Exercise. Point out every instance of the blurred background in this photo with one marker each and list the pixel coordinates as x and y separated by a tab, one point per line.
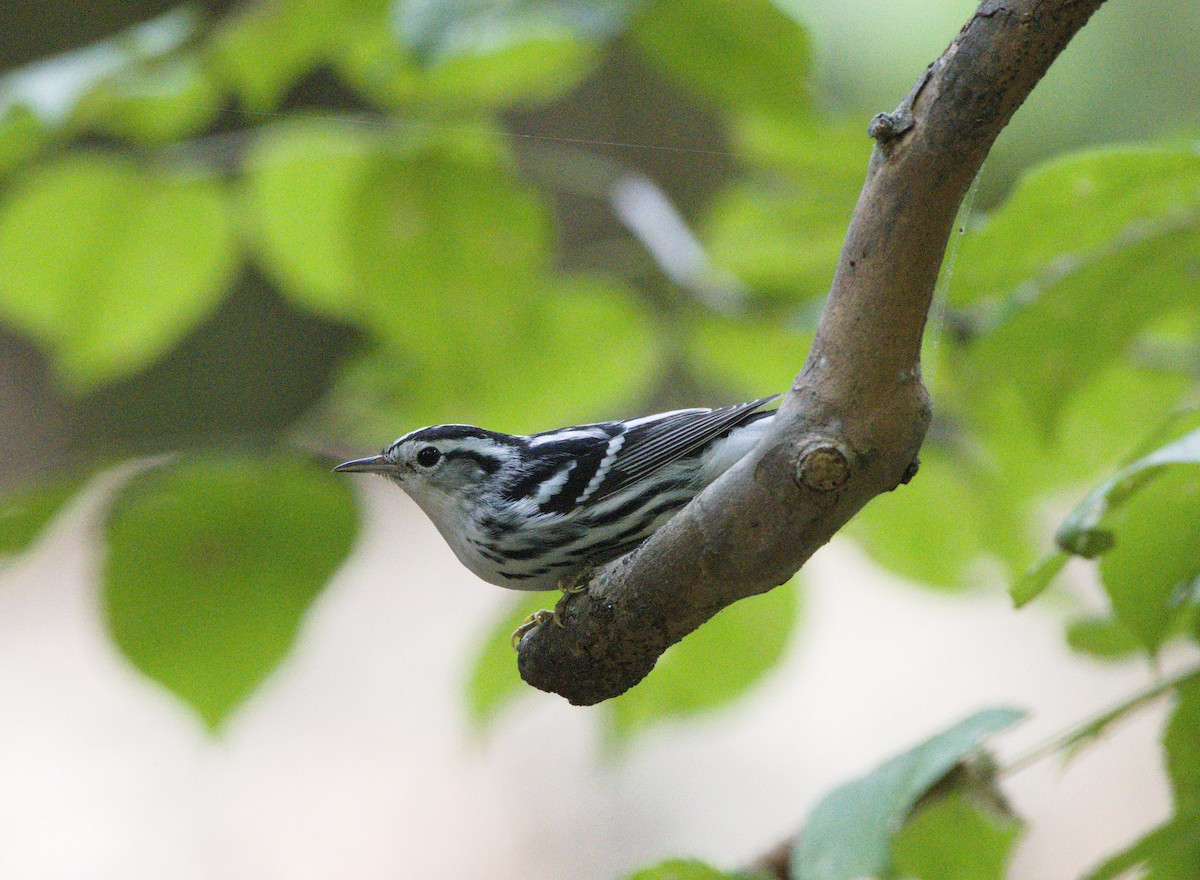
239	241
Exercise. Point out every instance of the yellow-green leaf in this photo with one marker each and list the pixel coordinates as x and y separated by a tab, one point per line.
210	565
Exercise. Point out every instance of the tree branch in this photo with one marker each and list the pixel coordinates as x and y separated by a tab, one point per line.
856	415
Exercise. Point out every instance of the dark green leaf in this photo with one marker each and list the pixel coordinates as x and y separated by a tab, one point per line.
848	833
746	54
25	514
713	665
211	564
108	298
955	838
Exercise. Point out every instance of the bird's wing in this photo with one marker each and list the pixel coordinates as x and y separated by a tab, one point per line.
655	441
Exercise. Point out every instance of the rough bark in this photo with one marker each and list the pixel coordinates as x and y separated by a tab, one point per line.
854	419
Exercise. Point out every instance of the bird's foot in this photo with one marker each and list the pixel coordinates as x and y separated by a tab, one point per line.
578	582
532	622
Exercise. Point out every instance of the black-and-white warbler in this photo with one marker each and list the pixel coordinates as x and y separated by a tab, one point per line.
537	512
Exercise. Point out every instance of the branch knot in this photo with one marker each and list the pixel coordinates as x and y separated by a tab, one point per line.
823	466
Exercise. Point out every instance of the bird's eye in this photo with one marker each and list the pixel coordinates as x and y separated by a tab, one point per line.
429	456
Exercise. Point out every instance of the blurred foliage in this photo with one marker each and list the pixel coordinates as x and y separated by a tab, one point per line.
955	839
1171	851
868	827
680	869
212	562
236	233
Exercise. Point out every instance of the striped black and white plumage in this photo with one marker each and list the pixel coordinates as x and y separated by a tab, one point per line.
535	513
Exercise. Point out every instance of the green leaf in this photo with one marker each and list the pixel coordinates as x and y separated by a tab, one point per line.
151	103
1181	742
1128	214
848	833
1035	581
934	527
527	72
780	232
1102	638
472	57
263	48
502	52
443	241
681	869
107	298
1025	463
955	838
1085	206
1076	739
25	514
50	87
746	54
1169	852
986	472
514	377
1080	532
712	666
435	29
302	179
751	355
22	134
210	565
1150	569
493	682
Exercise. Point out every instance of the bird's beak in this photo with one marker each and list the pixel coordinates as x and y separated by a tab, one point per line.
375	464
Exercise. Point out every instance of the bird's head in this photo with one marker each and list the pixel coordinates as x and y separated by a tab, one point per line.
442	467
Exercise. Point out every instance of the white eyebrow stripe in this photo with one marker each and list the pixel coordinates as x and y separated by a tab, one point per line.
555	436
606	463
476	446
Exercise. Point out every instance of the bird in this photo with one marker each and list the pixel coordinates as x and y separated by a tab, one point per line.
540	512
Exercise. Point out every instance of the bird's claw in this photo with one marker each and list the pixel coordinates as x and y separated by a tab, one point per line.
532	622
578	583
569	588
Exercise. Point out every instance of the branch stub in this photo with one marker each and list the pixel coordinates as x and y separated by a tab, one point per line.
823	466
